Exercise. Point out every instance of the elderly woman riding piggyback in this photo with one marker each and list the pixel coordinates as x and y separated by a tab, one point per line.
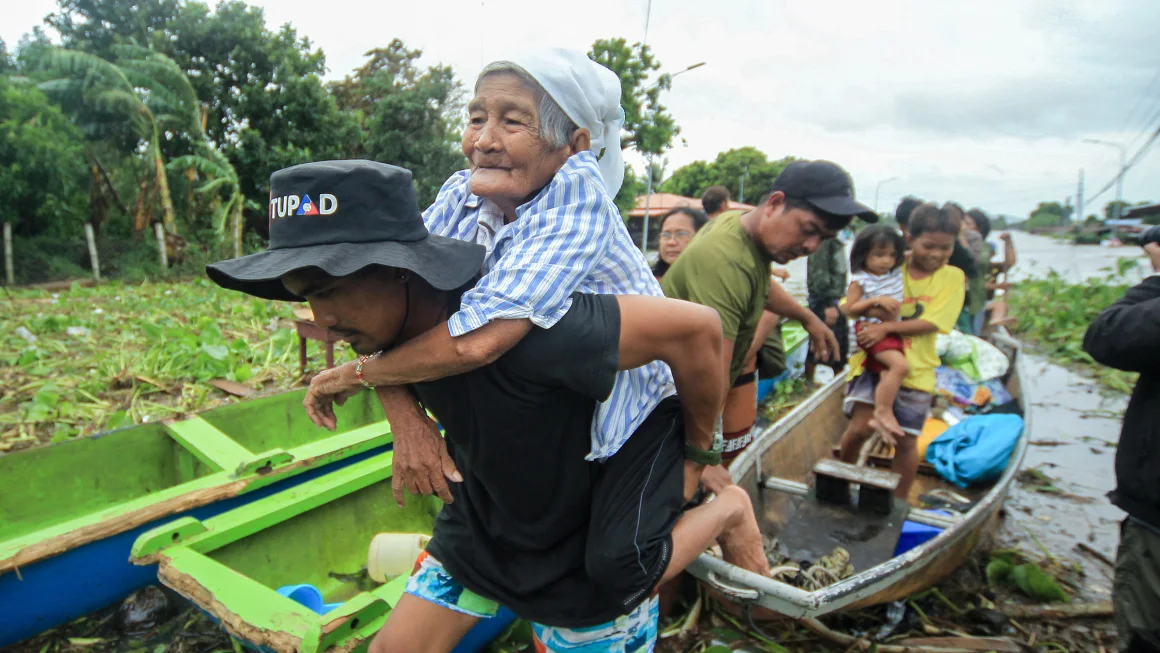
543	143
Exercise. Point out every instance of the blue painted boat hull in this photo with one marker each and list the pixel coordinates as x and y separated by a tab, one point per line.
56	590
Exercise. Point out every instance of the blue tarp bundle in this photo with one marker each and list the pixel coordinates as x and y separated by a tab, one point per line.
975	450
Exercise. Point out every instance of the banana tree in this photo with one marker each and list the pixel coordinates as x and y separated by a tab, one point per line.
144	88
221	179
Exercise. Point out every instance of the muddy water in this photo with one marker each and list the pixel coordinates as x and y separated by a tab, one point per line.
1073	438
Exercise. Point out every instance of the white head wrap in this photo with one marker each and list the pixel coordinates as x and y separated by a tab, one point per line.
590	94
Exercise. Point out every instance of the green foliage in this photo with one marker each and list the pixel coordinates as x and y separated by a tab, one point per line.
1055	315
1027	577
6	63
728	170
120	354
631	188
1110	209
408	116
266	105
649	128
1048	214
42	187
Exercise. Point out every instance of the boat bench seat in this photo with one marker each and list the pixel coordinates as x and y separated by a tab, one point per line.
875	486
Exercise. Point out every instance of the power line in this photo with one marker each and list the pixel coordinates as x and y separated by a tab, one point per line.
1135	159
1146	126
1128	124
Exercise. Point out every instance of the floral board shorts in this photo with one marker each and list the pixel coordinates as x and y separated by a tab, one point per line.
635	632
911	407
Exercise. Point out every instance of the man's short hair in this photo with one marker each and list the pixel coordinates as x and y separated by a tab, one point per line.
905	208
714	199
929	218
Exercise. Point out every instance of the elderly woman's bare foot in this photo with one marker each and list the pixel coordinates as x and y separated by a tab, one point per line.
740	542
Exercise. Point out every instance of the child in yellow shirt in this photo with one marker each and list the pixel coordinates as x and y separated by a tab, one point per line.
939	289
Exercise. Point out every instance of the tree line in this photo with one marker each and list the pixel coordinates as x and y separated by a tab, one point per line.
170	112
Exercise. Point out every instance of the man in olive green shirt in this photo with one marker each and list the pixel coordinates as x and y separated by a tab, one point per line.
727	267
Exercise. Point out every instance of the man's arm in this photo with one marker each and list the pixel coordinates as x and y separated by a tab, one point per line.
687	337
1126	335
1008	255
822	340
765	326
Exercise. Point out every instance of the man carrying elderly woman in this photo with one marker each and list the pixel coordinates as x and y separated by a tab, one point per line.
543	142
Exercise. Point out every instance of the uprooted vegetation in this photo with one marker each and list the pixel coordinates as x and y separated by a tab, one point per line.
86	360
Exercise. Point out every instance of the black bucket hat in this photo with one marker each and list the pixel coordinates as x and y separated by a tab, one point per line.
340	217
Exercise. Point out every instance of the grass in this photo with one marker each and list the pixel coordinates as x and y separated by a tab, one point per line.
1054	314
94	359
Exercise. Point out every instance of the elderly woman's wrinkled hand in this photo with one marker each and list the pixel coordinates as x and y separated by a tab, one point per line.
328	388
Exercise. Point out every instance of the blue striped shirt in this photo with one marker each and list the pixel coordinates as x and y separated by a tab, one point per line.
569	238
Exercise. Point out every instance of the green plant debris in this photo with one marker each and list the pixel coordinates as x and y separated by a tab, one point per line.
784	398
1054	315
1011	570
115	355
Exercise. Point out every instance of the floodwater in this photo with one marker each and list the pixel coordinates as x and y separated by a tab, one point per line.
1036	256
1074	431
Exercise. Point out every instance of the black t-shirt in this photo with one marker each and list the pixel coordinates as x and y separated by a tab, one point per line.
519	430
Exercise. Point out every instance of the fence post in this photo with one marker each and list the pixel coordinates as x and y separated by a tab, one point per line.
9	267
160	232
93	260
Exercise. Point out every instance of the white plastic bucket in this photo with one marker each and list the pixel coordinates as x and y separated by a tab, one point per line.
393	554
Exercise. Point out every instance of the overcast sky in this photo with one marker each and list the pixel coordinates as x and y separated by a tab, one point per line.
984	102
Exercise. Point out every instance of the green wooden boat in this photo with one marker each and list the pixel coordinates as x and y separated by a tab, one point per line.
69	512
316	533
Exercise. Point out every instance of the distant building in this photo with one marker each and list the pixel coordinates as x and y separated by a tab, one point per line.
659	204
1142	212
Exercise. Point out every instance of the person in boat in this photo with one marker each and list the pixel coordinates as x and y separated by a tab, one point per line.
538	197
960	257
575	546
826	284
715	201
970	241
678	227
928	281
983	288
875	295
1126	336
727	267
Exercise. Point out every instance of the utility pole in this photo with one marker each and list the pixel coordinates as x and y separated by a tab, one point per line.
741	194
648	196
878	188
1079	199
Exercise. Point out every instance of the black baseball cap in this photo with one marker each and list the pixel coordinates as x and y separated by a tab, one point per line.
340	217
825	185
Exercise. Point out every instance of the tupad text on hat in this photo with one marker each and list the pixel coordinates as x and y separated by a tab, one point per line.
287	205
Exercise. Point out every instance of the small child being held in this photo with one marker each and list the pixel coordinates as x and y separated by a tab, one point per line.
875	296
929	286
